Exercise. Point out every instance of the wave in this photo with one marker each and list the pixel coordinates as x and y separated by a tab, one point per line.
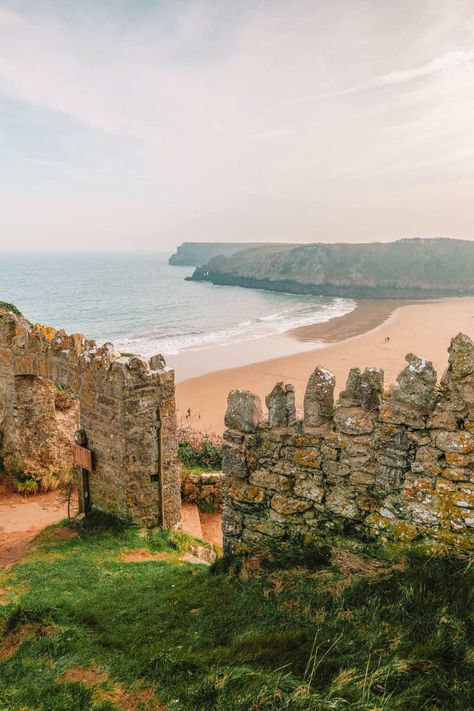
259	327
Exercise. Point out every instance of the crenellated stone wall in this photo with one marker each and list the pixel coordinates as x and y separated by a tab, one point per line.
395	464
127	409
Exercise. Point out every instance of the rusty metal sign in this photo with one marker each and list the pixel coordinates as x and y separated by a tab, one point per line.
82	457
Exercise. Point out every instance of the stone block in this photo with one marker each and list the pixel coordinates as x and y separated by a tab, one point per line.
319	398
287	505
416	385
353	421
281	406
244	411
460	442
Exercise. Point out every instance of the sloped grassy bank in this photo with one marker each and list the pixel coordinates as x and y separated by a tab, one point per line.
112	619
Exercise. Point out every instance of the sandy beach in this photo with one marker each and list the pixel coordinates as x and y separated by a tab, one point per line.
357	339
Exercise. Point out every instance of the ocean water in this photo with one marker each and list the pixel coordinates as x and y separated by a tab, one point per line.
143	305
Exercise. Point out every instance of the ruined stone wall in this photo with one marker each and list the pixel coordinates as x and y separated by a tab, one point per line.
46	414
394	465
127	410
204	490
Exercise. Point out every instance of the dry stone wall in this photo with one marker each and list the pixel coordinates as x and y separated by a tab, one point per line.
127	409
393	464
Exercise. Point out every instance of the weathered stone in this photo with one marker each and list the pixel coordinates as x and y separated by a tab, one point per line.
371	388
416	385
269	480
338	502
455	459
351	396
353	421
329	452
461	357
442	419
308	489
281	406
307	458
157	362
287	505
465	499
457	473
458	442
402	415
319	398
267	526
233	461
244	492
427	454
244	411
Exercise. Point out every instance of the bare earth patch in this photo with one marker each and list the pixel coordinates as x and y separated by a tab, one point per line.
89	677
142	555
13	640
141	700
22	519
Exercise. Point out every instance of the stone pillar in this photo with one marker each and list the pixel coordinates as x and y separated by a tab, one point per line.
319	398
281	406
244	411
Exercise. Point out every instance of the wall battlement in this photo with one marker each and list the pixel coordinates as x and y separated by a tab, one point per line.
393	464
127	409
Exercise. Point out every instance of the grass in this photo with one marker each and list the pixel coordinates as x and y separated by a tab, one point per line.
85	630
199	451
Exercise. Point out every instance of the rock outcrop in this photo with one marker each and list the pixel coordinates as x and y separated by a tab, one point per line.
396	466
195	254
408	268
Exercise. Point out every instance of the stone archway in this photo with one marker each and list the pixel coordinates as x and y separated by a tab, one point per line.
127	410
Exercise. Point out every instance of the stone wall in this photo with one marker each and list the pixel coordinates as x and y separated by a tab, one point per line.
204	490
393	464
127	409
46	414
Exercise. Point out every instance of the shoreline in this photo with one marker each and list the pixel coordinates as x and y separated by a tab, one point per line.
366	315
424	328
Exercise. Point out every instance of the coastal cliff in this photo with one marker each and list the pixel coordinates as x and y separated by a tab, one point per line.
195	254
408	268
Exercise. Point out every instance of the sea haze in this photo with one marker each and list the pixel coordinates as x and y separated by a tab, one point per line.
143	305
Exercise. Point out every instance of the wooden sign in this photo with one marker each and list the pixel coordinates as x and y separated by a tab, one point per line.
82	457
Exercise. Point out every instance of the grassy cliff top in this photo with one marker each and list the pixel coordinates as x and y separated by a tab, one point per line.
113	619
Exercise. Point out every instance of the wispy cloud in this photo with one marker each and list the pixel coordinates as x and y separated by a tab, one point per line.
435	66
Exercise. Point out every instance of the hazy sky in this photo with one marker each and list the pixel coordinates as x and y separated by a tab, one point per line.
138	124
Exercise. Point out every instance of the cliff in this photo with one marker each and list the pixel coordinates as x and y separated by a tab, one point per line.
194	254
408	268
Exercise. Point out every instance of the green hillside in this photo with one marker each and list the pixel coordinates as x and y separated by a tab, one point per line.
408	268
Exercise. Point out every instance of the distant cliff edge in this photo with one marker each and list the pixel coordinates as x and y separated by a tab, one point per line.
195	254
408	268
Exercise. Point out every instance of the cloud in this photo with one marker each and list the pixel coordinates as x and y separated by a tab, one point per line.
435	66
177	121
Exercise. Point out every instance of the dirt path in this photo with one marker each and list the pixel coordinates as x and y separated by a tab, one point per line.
22	518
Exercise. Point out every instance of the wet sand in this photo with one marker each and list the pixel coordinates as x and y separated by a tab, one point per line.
357	339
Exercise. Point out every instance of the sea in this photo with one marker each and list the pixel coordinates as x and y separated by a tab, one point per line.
143	305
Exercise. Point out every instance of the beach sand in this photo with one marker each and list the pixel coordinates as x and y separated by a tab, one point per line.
357	339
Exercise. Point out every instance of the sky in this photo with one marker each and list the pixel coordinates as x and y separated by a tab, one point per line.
139	124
